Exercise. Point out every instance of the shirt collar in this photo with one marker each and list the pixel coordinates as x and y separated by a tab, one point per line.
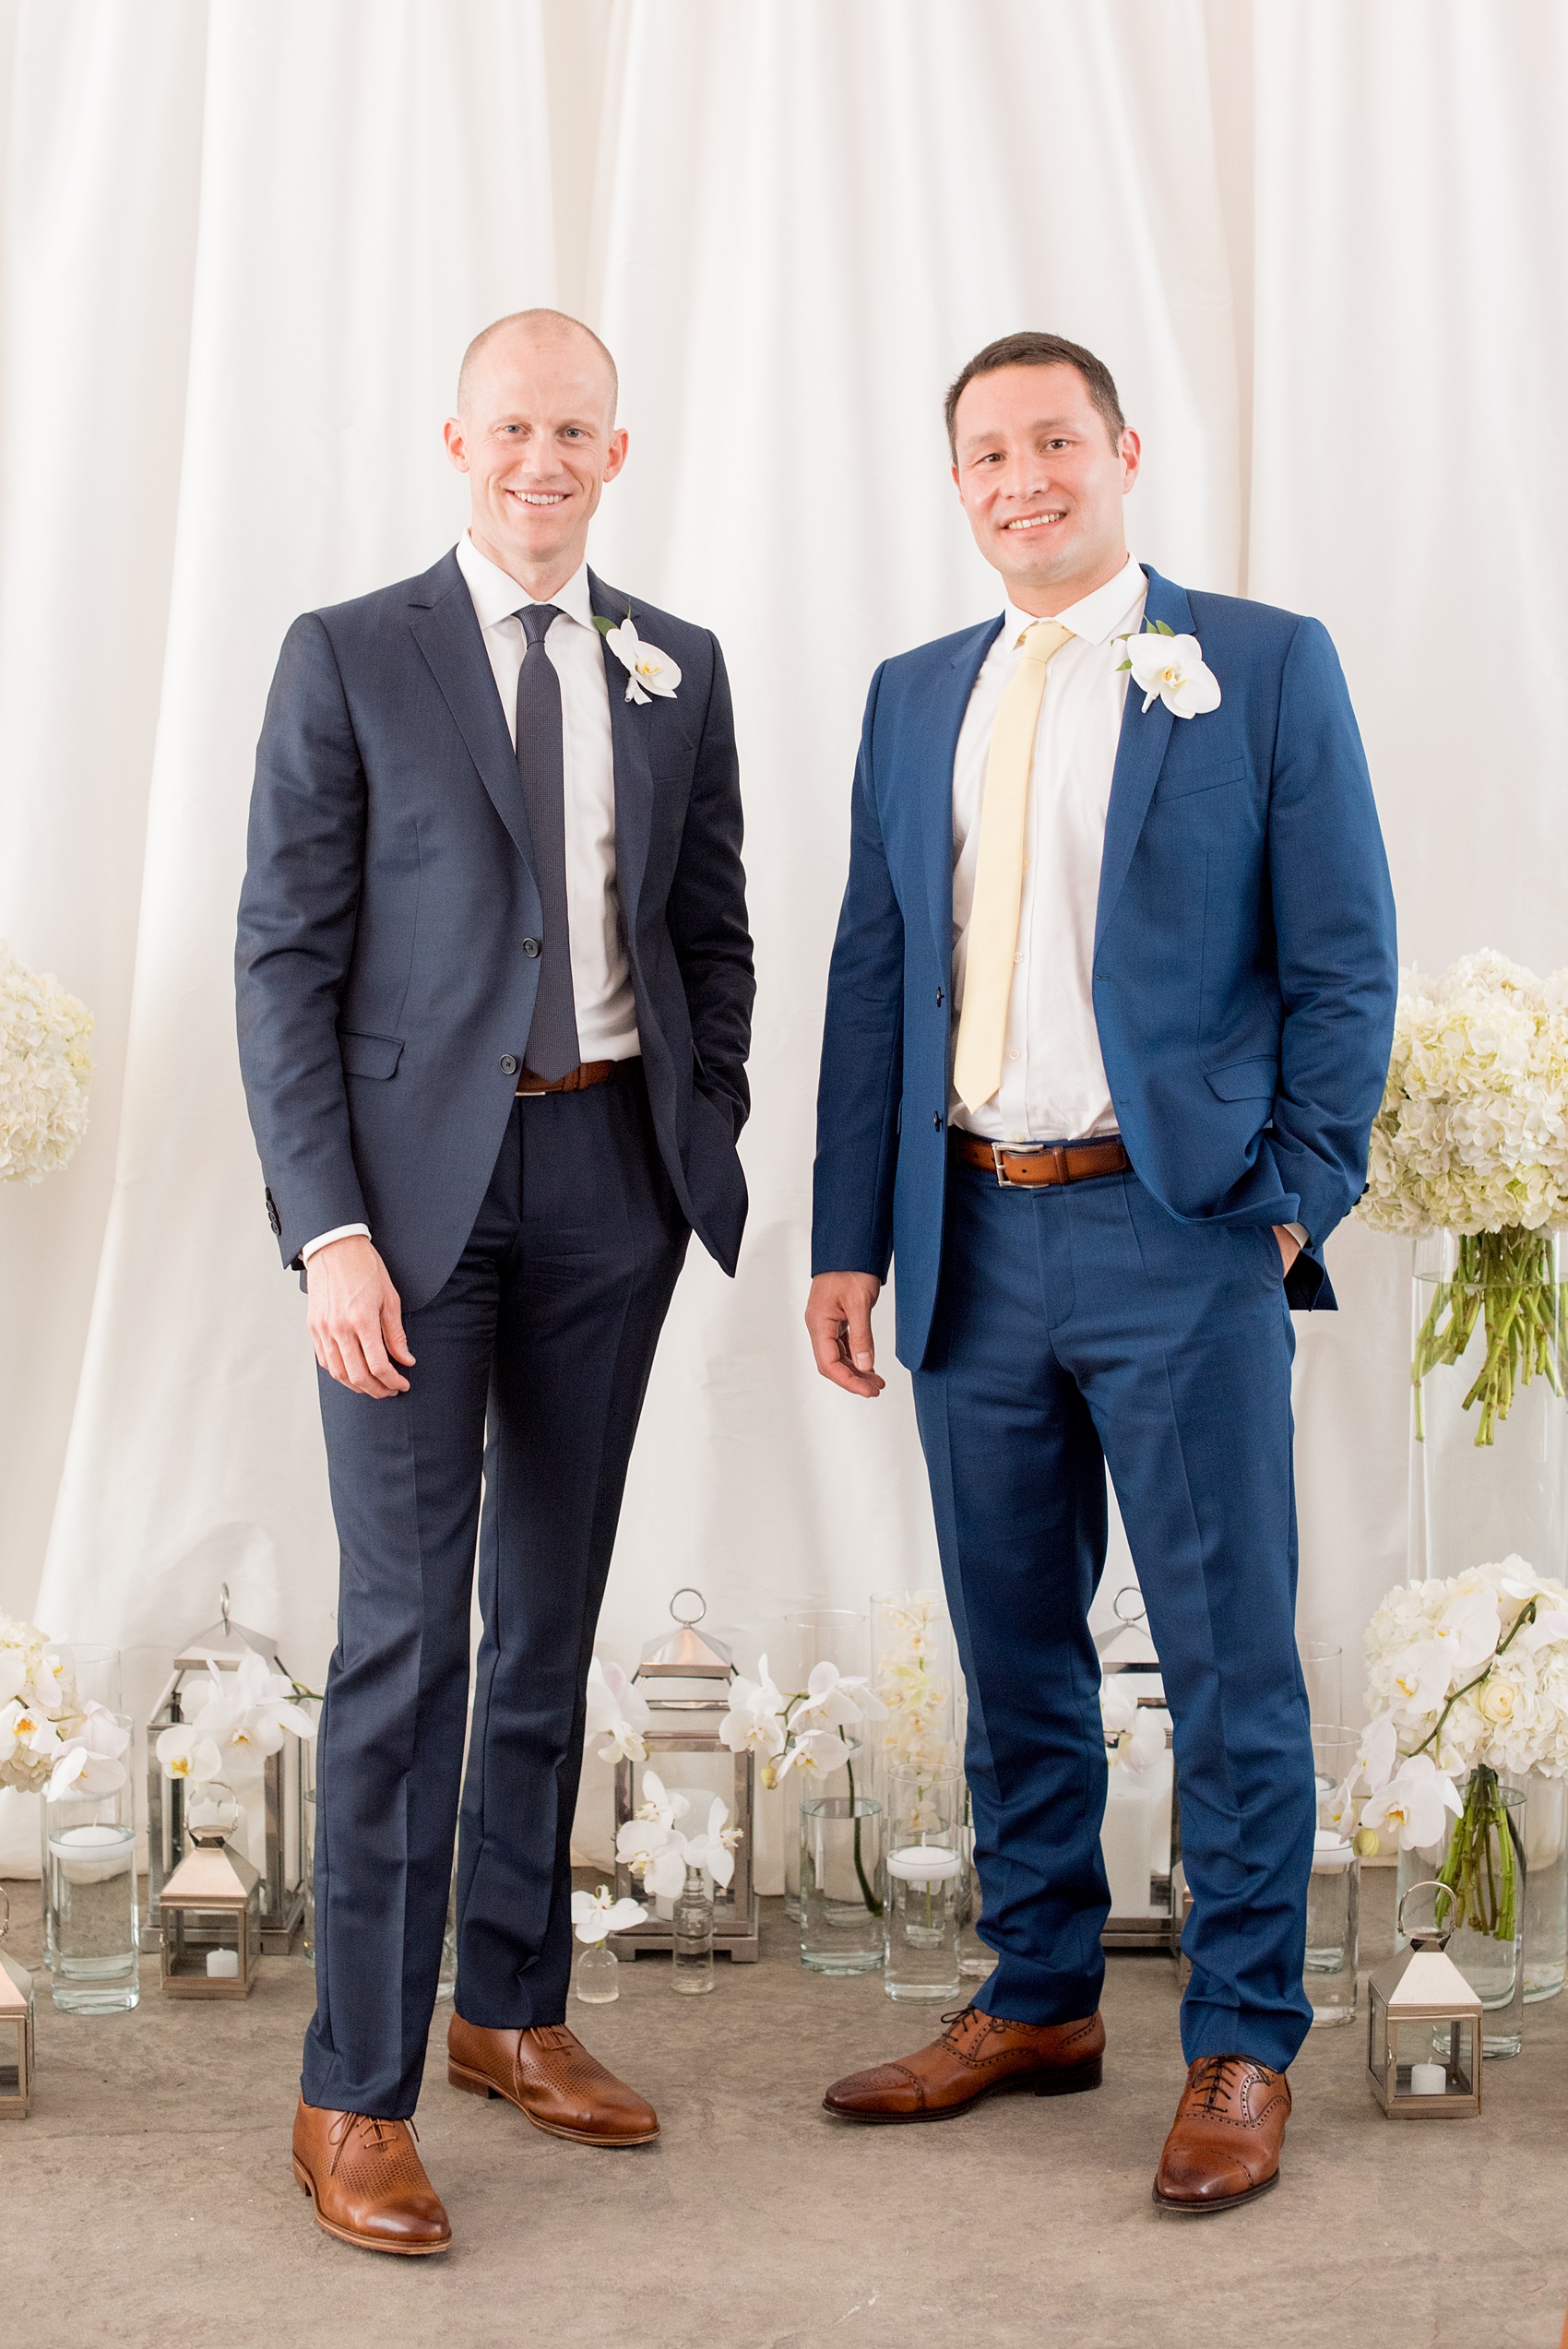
1097	617
496	594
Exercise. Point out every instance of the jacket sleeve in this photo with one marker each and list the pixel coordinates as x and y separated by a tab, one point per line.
1335	930
862	1049
298	910
706	910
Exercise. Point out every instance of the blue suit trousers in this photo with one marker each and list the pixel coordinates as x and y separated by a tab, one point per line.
530	1366
1080	1328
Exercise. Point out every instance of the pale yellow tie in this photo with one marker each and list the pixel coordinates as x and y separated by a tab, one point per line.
999	870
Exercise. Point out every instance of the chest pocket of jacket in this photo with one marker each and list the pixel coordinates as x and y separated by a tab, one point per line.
1184	781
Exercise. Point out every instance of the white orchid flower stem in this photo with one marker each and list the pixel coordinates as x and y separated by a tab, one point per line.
1527	1615
1481	1866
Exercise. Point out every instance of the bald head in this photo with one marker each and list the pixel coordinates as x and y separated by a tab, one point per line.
532	330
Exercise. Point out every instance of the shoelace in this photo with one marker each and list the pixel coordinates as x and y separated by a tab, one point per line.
376	2133
1215	2076
959	2015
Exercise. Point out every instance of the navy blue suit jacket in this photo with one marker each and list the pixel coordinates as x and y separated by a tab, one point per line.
385	995
1244	966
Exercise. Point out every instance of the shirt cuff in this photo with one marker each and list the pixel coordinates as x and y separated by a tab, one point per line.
323	1238
1297	1231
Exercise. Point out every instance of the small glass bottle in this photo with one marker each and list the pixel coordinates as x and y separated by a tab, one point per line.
596	1977
690	1950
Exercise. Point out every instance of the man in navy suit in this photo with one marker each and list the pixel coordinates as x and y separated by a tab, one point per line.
1108	1022
494	1004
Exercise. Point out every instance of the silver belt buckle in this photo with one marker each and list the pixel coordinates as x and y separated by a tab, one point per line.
1004	1180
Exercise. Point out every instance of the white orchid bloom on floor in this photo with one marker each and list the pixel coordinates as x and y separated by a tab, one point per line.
617	1711
754	1722
836	1699
650	672
657	1853
713	1849
1414	1806
1171	669
594	1914
816	1753
186	1752
1420	1676
1471	1627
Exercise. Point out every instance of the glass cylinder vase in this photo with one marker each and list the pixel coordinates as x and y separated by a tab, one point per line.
596	1978
1545	1832
1483	1858
925	1885
842	1896
691	1944
91	1936
1488	1422
814	1635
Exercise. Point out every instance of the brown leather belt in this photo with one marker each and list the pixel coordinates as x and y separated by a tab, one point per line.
1038	1165
576	1080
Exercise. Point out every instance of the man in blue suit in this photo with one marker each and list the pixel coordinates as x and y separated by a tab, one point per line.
1108	1022
494	1004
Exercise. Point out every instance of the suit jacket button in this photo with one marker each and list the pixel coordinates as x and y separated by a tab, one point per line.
936	1120
530	947
508	1065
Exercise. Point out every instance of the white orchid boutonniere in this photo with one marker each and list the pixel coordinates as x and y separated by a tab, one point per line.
1172	668
649	672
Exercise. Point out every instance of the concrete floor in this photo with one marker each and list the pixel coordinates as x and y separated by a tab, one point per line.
148	2199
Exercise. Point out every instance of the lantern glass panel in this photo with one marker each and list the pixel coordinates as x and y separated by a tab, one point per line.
15	2036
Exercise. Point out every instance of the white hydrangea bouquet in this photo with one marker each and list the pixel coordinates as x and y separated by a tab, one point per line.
1467	1677
1472	1138
44	1068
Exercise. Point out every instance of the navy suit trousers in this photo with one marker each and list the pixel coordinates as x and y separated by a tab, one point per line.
530	1366
1078	1328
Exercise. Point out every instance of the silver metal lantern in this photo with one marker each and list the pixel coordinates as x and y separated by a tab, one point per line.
274	1837
211	1909
15	2028
1424	2024
1126	1651
685	1676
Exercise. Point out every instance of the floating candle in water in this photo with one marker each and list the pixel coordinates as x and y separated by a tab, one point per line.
923	1863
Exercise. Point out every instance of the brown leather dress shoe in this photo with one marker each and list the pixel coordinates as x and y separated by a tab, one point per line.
977	2056
367	2182
550	2076
1224	2145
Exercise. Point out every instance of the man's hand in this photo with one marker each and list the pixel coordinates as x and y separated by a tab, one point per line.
356	1318
839	1320
1289	1246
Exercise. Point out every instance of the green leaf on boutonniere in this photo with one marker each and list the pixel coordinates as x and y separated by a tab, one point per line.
1159	628
603	625
1121	665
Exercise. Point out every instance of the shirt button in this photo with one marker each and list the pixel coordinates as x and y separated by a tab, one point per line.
1018	958
1027	861
530	947
1014	1056
508	1065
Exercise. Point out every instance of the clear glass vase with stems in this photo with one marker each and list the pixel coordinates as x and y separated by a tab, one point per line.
976	1959
1488	1421
925	1884
92	1942
843	1900
691	1944
1545	1829
1481	1859
1334	1889
814	1635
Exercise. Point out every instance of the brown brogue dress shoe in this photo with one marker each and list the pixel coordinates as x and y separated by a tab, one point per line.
1224	2145
550	2075
367	2182
977	2056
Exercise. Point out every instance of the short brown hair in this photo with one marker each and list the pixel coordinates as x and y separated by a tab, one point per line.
1030	350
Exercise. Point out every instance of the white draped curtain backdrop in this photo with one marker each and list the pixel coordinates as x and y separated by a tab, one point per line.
240	252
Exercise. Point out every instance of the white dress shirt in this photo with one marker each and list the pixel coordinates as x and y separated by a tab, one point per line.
601	980
1053	1084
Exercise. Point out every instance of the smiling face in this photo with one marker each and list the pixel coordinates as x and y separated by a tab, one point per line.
1043	481
538	440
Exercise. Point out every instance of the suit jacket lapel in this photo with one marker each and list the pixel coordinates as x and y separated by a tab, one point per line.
954	684
633	775
447	630
1139	754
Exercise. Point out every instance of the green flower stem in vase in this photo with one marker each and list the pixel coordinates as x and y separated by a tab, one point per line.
1484	1863
1505	1280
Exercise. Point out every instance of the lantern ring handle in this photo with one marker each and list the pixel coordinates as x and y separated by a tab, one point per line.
1129	1590
1427	1884
688	1590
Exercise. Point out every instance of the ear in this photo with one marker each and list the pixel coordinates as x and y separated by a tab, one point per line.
615	453
452	433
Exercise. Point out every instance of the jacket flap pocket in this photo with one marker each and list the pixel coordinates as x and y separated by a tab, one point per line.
368	1055
1244	1081
1178	783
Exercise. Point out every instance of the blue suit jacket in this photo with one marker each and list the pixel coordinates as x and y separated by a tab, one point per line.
385	998
1244	968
